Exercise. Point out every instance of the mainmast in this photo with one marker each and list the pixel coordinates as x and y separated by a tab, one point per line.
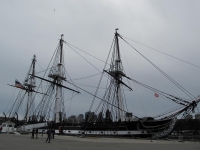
54	92
57	73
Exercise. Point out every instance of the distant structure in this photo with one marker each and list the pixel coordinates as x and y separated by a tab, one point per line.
129	116
108	116
80	118
135	119
2	119
90	116
197	116
189	117
87	114
72	119
64	117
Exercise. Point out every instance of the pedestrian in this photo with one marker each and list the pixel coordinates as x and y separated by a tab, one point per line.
36	132
33	130
0	129
48	135
42	132
53	132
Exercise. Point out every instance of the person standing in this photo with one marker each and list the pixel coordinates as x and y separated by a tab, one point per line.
36	132
43	131
48	135
53	132
33	131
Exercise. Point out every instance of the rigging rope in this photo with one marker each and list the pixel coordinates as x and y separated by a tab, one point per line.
85	52
163	53
83	57
134	85
87	76
89	86
47	69
39	65
170	111
101	77
160	92
124	98
10	100
42	71
70	104
69	77
101	99
173	81
18	96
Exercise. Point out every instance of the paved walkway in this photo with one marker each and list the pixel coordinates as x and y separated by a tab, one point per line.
24	142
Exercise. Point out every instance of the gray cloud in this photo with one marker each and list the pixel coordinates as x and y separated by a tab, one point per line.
33	27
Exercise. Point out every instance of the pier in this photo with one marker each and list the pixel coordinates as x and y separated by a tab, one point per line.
24	142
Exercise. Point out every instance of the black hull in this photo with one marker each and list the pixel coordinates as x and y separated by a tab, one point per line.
129	128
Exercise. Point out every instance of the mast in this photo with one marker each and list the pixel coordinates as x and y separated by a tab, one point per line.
29	83
117	72
58	75
114	92
54	92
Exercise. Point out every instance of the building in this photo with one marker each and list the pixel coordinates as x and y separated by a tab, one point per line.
64	117
80	118
108	116
90	116
2	119
87	114
8	126
72	119
129	116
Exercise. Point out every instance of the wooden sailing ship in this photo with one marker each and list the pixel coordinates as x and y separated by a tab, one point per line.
109	118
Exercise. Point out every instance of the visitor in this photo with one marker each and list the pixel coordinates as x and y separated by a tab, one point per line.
53	132
33	131
43	131
36	132
48	135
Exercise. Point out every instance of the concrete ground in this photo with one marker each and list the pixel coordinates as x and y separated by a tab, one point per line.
24	142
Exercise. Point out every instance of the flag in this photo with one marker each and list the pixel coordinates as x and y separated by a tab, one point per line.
18	84
156	95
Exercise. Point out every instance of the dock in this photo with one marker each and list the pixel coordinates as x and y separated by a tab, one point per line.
24	142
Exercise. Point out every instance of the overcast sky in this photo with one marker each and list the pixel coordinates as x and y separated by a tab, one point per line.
34	27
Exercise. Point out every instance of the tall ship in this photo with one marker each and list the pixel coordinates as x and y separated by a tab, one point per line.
109	117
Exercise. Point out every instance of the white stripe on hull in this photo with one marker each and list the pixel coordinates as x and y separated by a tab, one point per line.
99	132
